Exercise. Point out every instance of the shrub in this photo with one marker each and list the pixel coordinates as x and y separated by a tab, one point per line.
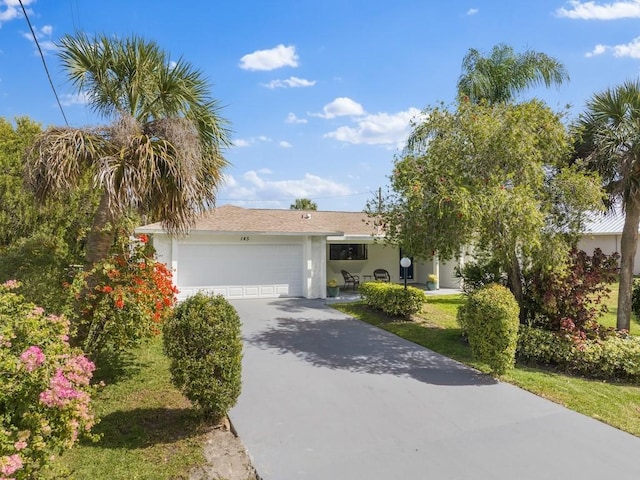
203	341
574	293
40	263
481	273
393	299
121	300
491	319
44	387
616	357
635	299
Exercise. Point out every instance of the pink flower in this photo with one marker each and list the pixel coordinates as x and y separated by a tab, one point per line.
32	358
10	464
79	370
60	391
38	311
10	284
20	445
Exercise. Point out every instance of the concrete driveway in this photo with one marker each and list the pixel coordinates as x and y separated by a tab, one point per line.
328	397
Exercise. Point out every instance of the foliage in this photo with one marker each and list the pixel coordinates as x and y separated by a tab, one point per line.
615	357
635	299
503	74
490	318
392	299
203	341
480	273
490	178
609	144
41	264
121	300
162	153
332	283
304	204
571	296
44	387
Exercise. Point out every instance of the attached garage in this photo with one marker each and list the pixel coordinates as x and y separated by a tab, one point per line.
247	270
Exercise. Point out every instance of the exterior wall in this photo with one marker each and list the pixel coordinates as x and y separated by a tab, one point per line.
608	244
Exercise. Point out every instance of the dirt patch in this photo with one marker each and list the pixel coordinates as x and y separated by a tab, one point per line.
227	458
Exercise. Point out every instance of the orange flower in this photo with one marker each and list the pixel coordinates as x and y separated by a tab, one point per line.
119	302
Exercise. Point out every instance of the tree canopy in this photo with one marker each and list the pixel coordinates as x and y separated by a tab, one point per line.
303	204
503	74
610	144
489	179
161	155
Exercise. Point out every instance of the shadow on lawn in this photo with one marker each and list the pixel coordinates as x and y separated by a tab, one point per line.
144	427
348	344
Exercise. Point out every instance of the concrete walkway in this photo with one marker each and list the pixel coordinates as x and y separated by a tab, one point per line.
328	397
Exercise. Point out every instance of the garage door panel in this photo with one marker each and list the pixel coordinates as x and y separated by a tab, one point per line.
242	271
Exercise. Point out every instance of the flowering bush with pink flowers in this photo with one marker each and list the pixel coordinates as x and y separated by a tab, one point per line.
44	387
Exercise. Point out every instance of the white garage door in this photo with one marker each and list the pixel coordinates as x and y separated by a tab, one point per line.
241	271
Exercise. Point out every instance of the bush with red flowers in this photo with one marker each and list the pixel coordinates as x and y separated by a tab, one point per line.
121	300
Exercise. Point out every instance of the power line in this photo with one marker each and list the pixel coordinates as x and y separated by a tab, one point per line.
35	39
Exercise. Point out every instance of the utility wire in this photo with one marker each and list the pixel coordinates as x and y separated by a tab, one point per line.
35	39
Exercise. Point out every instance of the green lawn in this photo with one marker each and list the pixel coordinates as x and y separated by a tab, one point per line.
148	429
437	329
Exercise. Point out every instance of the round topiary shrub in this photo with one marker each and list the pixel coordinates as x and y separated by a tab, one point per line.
491	320
203	341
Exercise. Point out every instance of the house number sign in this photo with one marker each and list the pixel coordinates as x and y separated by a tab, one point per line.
244	239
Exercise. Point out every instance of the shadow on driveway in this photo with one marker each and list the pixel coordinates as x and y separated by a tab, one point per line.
349	344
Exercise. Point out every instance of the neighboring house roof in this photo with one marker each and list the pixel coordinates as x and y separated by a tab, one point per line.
608	223
233	219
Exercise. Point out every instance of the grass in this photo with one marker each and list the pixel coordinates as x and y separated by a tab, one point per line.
437	329
148	429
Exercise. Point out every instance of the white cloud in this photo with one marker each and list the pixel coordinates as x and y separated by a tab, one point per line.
378	129
472	11
600	11
68	99
10	9
291	118
285	144
255	190
291	82
341	106
631	49
247	142
43	35
271	59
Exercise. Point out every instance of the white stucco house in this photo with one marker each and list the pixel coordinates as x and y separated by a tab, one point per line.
261	253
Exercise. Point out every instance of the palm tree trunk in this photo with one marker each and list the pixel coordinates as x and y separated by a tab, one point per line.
100	237
628	246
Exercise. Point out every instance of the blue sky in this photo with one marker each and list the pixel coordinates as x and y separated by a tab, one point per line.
320	93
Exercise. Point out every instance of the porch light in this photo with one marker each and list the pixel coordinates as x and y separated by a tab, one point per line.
405	262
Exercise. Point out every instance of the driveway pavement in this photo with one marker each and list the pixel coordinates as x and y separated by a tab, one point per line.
328	397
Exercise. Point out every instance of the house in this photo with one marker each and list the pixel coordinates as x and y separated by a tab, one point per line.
603	231
260	253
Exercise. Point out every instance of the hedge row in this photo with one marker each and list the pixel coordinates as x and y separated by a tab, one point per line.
393	299
615	358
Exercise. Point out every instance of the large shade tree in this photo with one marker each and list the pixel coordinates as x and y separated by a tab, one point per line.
503	74
610	144
490	179
161	152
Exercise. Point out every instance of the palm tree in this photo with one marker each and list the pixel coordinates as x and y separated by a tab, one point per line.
502	75
610	144
303	204
162	152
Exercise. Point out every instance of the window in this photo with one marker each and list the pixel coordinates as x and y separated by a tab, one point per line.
348	251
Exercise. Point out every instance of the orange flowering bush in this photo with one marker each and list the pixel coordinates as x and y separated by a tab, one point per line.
121	300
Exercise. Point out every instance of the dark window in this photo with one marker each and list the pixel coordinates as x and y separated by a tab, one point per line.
348	251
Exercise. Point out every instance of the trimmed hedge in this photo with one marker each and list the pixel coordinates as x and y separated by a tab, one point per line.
393	299
616	357
203	341
490	318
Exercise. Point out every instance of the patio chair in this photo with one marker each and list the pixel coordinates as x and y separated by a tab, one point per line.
353	280
381	275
